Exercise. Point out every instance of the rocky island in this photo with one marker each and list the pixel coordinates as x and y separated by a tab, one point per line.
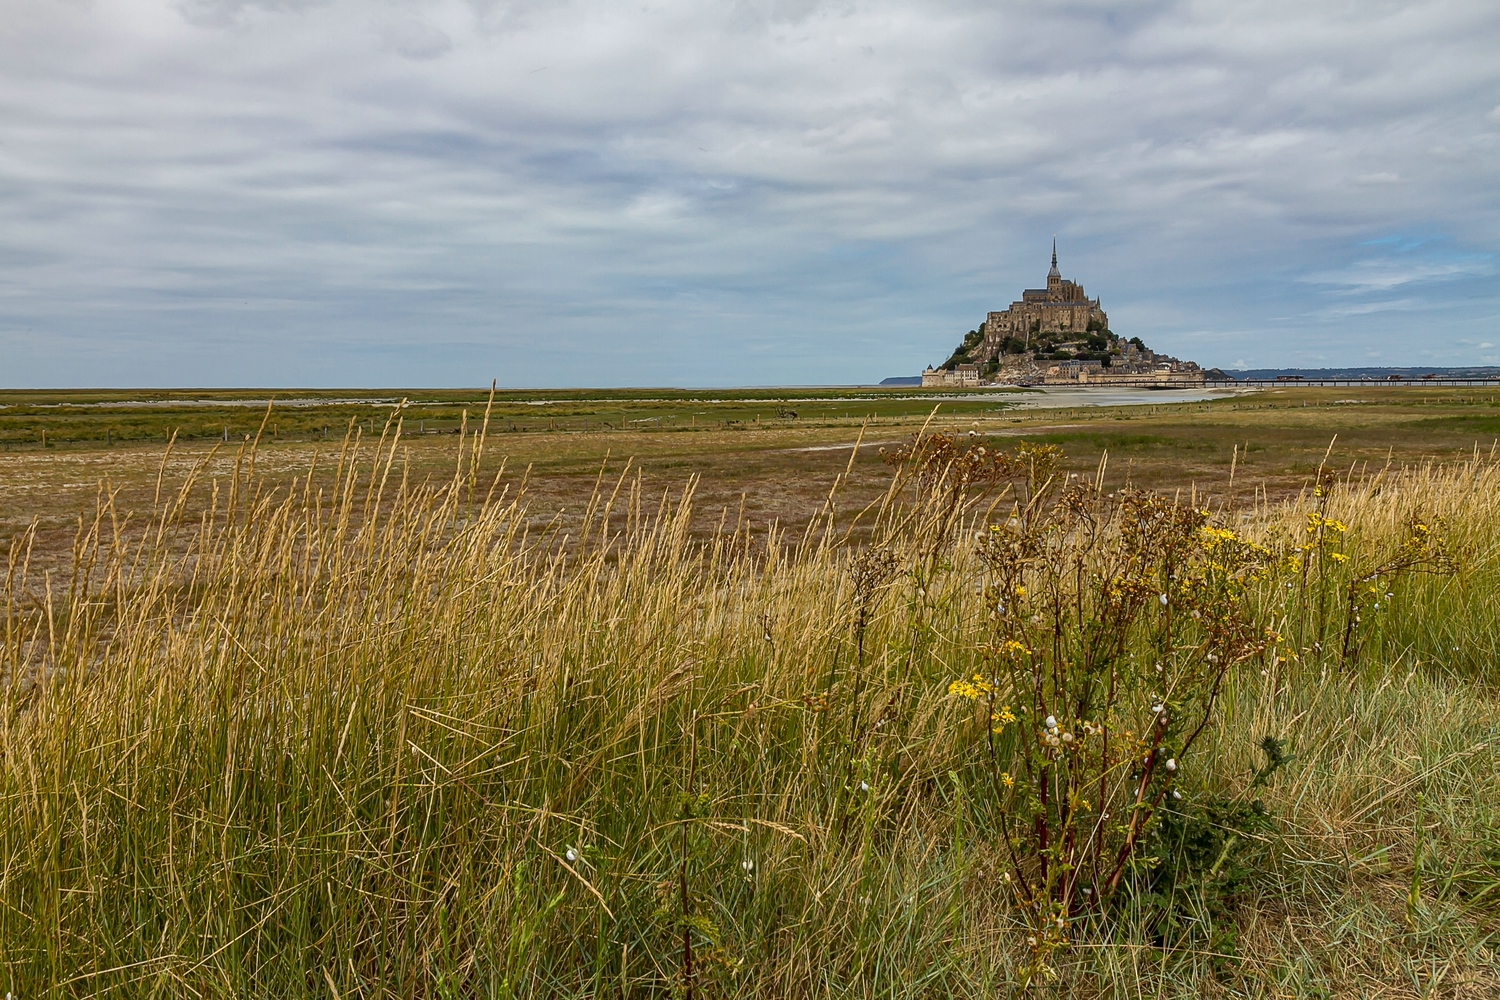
1056	335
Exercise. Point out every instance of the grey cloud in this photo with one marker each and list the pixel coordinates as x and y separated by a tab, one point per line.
416	39
224	13
673	191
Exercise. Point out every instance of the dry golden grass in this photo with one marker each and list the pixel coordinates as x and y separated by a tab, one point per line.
359	734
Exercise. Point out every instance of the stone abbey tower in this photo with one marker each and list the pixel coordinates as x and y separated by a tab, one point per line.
1061	308
1053	334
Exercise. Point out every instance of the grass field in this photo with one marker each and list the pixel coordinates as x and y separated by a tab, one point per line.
359	718
776	469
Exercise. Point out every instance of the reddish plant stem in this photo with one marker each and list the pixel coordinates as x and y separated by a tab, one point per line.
1135	813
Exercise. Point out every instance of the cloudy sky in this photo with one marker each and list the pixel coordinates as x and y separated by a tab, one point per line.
692	192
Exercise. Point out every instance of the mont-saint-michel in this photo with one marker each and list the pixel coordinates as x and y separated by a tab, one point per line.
1055	335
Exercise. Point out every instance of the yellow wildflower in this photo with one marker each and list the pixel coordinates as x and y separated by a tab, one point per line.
964	690
1216	536
1316	521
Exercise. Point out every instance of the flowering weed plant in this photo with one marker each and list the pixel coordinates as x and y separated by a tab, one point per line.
1112	622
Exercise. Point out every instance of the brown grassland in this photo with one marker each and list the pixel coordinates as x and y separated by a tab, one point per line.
666	693
776	469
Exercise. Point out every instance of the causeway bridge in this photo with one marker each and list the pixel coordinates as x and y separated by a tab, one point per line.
1365	383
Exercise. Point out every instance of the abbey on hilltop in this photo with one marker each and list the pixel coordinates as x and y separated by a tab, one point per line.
1053	334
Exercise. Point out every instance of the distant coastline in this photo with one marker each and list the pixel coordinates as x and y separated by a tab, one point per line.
1358	372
